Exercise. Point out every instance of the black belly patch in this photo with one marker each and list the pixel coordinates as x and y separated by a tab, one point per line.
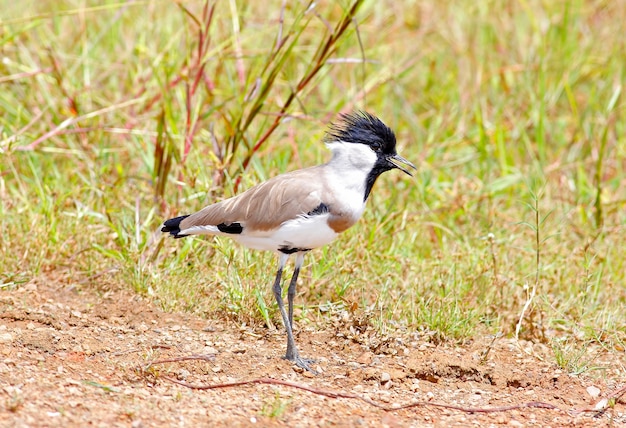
232	228
290	250
322	208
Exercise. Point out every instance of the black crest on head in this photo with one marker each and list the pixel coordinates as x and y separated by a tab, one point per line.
363	128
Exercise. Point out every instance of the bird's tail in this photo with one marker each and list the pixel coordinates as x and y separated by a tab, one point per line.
172	226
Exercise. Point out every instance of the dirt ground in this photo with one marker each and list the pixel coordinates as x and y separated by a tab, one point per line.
73	357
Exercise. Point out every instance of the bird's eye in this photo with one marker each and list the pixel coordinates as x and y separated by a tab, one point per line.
376	146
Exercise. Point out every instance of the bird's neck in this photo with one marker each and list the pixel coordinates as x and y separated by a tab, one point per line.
353	168
349	171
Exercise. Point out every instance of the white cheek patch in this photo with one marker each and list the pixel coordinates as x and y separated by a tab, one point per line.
353	155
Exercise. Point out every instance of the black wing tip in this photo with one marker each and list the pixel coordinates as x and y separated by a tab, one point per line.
230	228
172	226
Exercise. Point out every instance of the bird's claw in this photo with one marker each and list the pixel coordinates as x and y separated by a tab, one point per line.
303	363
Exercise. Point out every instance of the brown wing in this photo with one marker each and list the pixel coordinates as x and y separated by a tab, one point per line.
267	205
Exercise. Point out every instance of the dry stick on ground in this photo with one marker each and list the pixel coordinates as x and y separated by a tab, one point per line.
339	394
599	410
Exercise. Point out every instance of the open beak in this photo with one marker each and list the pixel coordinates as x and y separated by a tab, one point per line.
401	163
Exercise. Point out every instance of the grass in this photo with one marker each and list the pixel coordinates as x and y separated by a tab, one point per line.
275	409
115	116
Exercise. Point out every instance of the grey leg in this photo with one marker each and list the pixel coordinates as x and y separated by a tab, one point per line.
291	292
292	351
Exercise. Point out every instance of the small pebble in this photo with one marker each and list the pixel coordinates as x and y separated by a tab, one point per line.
593	391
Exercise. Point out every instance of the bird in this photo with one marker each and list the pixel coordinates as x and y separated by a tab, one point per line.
298	211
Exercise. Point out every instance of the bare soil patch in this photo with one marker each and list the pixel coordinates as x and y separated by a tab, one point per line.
74	357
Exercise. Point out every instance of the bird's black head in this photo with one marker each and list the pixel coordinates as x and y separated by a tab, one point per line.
363	128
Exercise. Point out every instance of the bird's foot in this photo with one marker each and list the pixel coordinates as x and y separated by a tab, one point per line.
303	363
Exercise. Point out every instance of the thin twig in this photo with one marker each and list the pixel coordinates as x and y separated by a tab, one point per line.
339	394
76	119
281	23
25	74
13	137
362	49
